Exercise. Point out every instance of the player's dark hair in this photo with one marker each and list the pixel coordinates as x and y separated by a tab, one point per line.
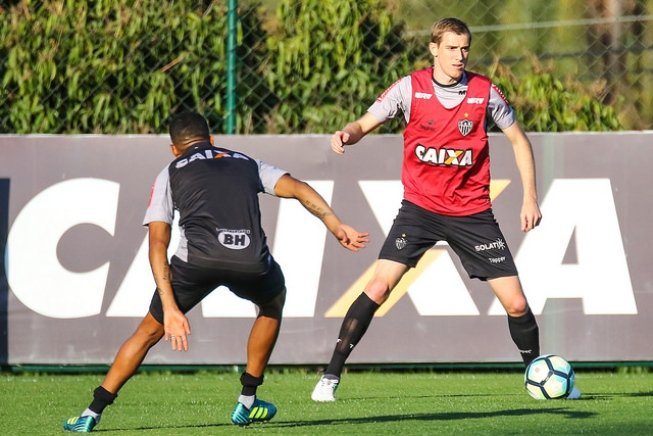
187	126
454	25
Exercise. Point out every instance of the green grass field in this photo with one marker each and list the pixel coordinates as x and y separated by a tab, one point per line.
411	403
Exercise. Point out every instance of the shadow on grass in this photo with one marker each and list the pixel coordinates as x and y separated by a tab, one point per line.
379	419
586	396
618	394
434	417
635	394
562	412
166	427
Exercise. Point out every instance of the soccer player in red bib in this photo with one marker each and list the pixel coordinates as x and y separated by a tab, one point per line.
446	179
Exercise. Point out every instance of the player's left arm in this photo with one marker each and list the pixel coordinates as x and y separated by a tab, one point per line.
530	215
290	187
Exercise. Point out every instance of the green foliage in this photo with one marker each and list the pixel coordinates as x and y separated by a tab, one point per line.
546	104
114	66
331	60
122	66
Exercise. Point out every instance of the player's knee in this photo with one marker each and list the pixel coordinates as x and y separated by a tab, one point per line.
516	307
149	333
274	307
378	290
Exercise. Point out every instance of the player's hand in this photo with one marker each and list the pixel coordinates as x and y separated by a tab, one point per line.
177	329
351	238
338	141
530	216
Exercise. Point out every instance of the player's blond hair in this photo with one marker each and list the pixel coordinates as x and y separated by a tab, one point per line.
449	25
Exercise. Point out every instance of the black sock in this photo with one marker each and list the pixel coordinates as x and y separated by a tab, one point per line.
358	319
101	399
250	383
526	335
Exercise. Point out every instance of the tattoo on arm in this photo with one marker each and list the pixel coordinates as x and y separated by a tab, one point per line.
316	210
164	277
166	272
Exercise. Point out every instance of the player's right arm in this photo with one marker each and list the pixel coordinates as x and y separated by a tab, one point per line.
394	100
175	323
158	219
353	132
159	239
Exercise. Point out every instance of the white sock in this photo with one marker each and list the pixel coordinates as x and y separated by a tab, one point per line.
89	412
247	400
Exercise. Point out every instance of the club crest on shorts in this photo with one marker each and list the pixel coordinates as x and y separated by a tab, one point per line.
465	126
401	242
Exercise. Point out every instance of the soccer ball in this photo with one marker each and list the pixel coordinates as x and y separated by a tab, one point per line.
549	377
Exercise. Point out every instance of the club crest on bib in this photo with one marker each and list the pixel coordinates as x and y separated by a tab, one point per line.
465	126
401	242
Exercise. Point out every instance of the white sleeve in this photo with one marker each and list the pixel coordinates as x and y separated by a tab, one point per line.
269	175
499	109
160	207
395	99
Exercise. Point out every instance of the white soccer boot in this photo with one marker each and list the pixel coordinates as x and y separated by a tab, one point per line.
325	390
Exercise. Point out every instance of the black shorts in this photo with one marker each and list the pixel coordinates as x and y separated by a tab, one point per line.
191	283
476	239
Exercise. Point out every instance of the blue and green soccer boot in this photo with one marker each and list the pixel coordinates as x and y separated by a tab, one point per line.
261	411
80	424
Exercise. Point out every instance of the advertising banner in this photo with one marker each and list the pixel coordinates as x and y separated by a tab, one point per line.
75	280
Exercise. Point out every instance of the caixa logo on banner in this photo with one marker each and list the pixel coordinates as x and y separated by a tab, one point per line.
38	279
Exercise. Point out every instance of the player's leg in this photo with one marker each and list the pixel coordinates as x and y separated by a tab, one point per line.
521	321
387	274
260	344
148	333
127	360
482	249
263	335
132	352
356	322
413	232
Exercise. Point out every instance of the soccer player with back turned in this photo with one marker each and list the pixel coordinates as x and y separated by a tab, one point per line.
446	179
215	191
